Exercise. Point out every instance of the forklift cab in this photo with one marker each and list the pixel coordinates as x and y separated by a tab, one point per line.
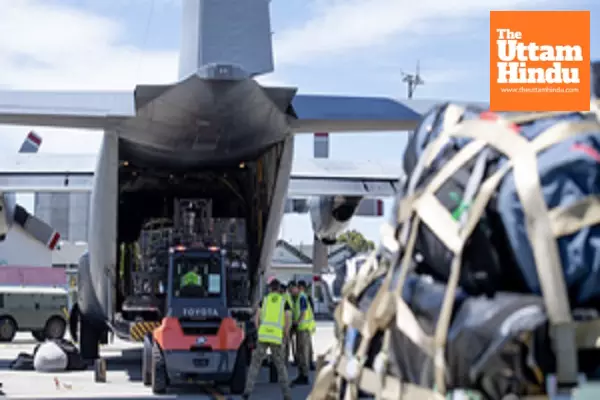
196	289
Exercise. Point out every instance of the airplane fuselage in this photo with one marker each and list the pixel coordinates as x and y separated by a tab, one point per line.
200	125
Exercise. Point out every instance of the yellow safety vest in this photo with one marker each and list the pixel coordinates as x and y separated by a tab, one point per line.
272	319
289	301
308	323
190	278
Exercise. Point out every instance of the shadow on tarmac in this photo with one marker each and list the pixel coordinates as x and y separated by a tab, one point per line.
130	363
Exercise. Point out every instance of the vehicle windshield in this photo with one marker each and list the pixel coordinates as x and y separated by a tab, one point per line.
197	275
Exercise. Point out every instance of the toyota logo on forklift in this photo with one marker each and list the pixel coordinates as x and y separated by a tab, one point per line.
201	340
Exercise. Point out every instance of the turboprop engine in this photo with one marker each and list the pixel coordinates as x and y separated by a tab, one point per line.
330	215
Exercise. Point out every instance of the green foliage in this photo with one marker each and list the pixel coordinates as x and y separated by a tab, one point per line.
356	241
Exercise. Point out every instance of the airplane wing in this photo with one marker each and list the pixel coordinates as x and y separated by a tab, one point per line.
84	110
307	114
336	114
348	178
70	172
47	172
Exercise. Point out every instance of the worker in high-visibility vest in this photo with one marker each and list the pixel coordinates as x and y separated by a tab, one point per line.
287	296
286	340
293	292
305	326
191	278
273	320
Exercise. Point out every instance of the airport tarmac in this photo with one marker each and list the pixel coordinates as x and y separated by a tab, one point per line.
124	376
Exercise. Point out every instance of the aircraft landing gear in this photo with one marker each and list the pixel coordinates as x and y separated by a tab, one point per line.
90	336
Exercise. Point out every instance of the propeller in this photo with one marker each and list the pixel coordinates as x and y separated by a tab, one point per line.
12	213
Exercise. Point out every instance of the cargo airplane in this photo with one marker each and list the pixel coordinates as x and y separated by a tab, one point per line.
216	133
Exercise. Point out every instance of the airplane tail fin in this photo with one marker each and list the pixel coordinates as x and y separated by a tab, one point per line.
235	32
31	144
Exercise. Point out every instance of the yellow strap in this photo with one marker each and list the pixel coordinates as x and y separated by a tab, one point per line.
407	323
439	220
405	207
524	162
514	147
366	274
393	388
388	237
524	159
323	383
544	246
405	263
454	164
525	118
562	131
452	114
570	219
352	316
380	313
381	364
486	191
495	134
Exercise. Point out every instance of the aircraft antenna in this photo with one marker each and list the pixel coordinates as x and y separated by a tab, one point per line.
413	80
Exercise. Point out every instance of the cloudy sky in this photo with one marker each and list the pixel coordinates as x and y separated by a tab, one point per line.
322	46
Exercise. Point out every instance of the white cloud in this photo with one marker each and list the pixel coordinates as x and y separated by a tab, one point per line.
341	26
47	46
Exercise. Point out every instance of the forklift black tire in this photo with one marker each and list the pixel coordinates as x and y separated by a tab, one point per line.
74	319
159	371
89	345
237	384
147	361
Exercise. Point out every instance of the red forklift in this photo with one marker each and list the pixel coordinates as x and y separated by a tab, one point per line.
202	338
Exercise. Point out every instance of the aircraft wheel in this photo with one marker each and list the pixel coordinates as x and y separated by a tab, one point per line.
8	329
147	361
38	335
89	340
237	384
55	328
159	371
74	317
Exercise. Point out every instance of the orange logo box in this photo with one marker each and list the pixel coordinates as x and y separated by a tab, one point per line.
539	60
